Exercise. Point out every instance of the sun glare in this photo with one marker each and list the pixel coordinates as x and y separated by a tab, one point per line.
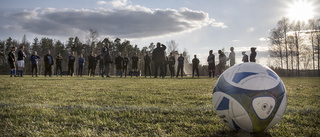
301	10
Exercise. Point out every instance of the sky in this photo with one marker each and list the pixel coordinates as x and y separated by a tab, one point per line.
196	25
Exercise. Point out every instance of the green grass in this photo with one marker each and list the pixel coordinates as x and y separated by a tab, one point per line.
72	106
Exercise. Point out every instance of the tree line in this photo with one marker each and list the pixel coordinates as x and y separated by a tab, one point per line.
296	44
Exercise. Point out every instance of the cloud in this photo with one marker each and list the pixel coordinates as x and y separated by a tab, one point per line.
234	41
251	29
102	3
263	39
129	21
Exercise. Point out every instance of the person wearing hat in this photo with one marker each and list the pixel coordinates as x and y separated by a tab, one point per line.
245	57
253	54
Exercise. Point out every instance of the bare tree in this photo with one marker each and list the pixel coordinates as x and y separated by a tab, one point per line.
276	40
92	37
172	46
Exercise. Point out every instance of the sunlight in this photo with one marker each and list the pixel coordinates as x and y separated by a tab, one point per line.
302	10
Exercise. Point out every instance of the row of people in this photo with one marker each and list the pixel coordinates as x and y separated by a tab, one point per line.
158	57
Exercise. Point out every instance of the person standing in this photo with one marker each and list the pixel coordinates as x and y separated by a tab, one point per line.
253	54
245	57
91	65
172	62
195	65
21	57
48	61
34	61
180	65
147	61
211	64
135	60
165	65
93	70
232	57
101	63
59	59
12	61
126	61
107	61
119	64
158	59
81	62
72	59
222	62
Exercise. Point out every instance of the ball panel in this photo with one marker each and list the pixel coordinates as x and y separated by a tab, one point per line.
263	106
231	112
280	112
244	122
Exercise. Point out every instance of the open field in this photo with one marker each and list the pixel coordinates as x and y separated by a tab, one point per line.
73	106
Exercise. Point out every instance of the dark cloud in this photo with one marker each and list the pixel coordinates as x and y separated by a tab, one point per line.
125	23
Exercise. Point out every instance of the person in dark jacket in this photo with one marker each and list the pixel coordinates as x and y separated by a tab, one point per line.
92	64
253	54
48	61
135	60
172	62
81	62
72	59
222	62
180	65
147	61
158	58
34	61
119	64
245	57
126	61
211	63
21	57
12	61
101	63
195	65
107	61
59	59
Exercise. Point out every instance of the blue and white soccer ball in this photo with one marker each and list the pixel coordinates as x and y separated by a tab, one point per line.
249	97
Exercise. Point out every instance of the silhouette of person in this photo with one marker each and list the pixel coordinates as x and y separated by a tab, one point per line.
119	64
172	62
232	57
222	62
135	60
245	57
48	61
34	61
21	57
58	64
107	61
126	61
253	54
12	61
147	61
180	65
211	64
72	59
81	62
195	65
158	58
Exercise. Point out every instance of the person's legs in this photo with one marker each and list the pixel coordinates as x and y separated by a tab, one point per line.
156	66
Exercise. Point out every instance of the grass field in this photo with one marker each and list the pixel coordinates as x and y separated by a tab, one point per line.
73	106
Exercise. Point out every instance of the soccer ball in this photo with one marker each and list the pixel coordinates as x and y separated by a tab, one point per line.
249	97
